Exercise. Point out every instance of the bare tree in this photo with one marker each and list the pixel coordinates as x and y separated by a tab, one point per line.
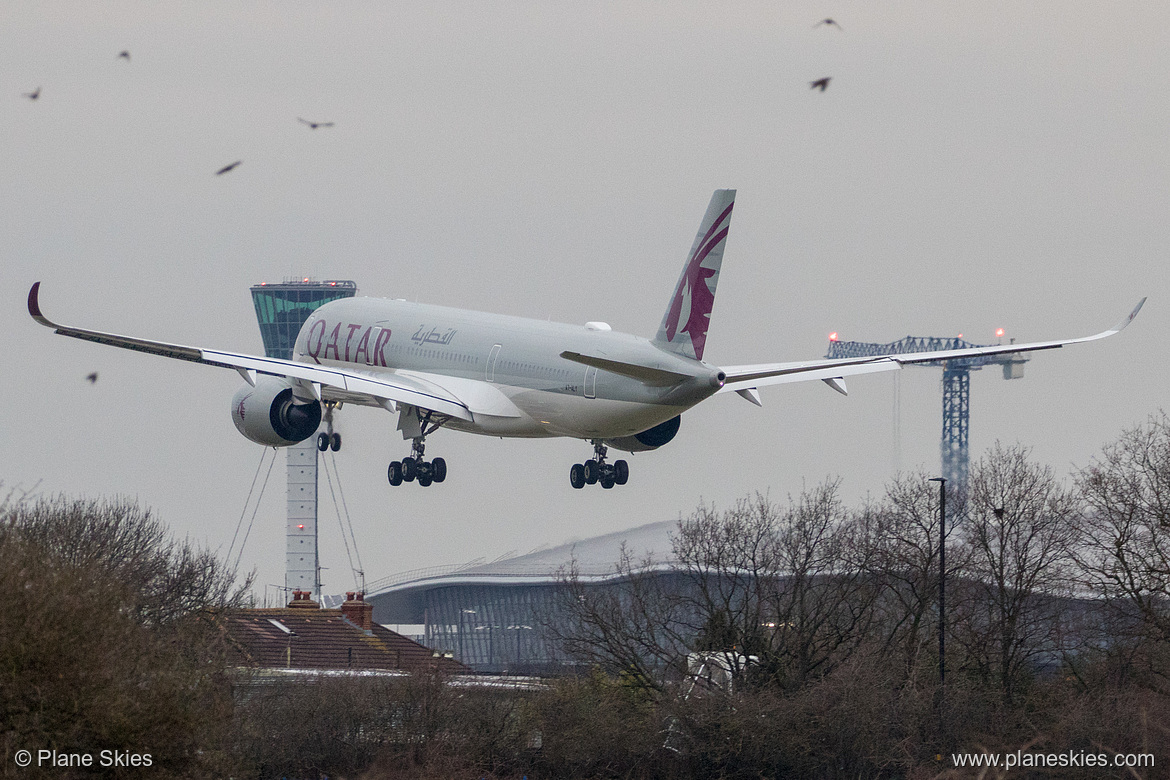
902	531
729	559
633	625
820	594
106	640
1019	529
1123	550
782	593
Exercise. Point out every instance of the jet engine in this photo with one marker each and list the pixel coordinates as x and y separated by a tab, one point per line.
268	414
649	439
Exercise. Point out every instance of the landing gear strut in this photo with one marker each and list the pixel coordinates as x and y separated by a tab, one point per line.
597	470
417	467
329	440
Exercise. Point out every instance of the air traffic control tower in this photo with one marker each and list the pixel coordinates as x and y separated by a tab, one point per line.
281	310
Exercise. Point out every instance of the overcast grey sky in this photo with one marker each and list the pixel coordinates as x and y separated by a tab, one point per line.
972	165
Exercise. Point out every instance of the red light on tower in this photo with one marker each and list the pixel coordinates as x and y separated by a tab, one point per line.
301	527
999	333
833	336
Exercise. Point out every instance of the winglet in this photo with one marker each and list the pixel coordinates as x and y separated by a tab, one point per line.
34	306
1131	316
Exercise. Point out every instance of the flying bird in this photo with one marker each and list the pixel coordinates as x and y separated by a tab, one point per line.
821	84
829	22
125	55
92	378
227	168
34	94
314	125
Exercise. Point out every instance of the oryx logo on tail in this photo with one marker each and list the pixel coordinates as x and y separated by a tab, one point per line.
694	295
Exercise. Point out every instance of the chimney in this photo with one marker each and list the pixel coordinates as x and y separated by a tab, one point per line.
358	611
301	600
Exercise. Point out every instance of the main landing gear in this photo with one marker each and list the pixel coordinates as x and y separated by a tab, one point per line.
329	440
416	467
597	470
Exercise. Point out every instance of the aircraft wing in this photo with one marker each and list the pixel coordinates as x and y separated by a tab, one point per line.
325	382
744	379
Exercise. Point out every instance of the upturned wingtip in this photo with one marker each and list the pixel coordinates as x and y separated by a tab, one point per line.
34	306
1132	314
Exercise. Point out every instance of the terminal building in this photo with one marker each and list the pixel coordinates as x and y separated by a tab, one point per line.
492	616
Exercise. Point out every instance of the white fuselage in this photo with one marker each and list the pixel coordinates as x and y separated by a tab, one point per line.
540	392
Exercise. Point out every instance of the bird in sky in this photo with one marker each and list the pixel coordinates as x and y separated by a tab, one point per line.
125	55
36	93
92	378
227	168
821	84
829	22
314	125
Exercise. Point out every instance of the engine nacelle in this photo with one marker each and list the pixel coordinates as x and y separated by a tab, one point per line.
267	415
649	439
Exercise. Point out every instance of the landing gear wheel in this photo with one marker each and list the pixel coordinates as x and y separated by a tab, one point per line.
592	472
425	480
607	481
394	473
409	469
334	442
577	476
438	469
621	472
322	441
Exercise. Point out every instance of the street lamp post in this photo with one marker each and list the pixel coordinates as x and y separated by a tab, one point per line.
942	577
942	602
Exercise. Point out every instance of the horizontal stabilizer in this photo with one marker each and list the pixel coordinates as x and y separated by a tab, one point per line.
653	377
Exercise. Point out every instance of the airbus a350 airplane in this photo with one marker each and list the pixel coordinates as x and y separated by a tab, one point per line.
506	376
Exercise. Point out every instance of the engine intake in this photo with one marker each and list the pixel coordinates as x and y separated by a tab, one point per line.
268	414
649	439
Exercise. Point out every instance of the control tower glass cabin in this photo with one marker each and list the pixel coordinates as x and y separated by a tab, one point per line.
281	309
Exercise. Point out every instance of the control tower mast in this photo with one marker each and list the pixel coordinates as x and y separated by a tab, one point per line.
281	310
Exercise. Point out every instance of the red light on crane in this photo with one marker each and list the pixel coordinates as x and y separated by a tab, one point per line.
999	333
301	527
833	336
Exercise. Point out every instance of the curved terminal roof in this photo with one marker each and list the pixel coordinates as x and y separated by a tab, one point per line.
595	558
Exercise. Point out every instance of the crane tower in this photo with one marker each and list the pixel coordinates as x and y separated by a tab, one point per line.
956	388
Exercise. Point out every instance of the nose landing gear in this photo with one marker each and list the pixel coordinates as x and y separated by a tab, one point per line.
329	440
597	470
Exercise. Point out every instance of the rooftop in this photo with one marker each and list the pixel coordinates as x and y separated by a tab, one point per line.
313	638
